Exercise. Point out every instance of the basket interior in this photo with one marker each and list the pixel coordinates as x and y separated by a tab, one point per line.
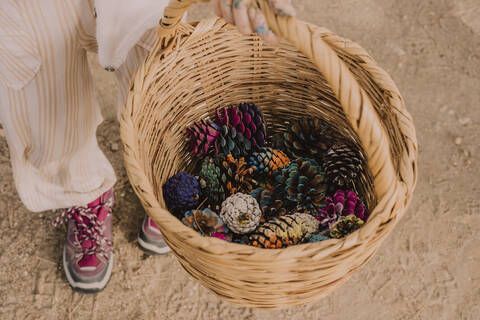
209	70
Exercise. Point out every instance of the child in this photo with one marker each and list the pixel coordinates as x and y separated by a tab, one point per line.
50	115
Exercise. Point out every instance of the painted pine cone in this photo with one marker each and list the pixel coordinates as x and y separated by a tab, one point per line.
223	176
345	226
205	221
271	204
203	137
302	183
268	161
247	120
329	214
279	233
343	166
309	137
343	203
211	181
310	225
238	175
241	213
181	193
232	141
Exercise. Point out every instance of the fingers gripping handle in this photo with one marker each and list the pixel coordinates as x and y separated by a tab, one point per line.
172	16
176	9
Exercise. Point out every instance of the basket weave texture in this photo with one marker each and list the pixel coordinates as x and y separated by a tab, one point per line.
195	68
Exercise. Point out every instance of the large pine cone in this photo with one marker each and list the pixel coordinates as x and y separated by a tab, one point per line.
247	120
181	193
343	165
230	141
345	226
241	213
268	161
302	183
279	232
237	130
309	138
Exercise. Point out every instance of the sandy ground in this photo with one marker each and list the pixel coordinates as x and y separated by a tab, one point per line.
429	267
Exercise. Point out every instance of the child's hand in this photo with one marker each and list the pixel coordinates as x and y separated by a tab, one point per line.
249	19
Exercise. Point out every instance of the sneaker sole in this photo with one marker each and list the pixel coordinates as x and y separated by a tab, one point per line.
152	249
92	287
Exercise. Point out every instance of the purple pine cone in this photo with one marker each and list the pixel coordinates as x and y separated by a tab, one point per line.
247	119
181	193
203	135
253	116
328	215
344	203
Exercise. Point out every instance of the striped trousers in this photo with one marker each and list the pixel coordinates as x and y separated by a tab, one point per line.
50	115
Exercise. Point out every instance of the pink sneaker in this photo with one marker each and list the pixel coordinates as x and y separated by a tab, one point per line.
151	239
87	253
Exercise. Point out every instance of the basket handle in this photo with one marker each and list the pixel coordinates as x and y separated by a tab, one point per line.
356	104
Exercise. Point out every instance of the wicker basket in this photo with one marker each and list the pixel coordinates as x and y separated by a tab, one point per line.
193	69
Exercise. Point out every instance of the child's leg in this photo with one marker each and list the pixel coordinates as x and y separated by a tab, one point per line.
50	123
150	238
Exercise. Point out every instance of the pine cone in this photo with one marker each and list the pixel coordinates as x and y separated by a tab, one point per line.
241	213
343	166
270	203
211	180
205	221
329	214
223	176
279	232
206	137
238	175
302	182
310	225
345	226
351	204
203	137
232	141
309	138
343	203
268	160
181	193
247	120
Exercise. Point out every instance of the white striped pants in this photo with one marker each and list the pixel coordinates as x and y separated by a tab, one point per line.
50	123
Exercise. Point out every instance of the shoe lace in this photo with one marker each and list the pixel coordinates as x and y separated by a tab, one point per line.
88	227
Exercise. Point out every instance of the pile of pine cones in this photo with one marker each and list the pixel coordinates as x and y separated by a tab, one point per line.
301	188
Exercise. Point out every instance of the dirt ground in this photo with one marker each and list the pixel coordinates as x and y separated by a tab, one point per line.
429	267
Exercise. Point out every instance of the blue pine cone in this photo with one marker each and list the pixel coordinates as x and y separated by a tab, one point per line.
181	193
